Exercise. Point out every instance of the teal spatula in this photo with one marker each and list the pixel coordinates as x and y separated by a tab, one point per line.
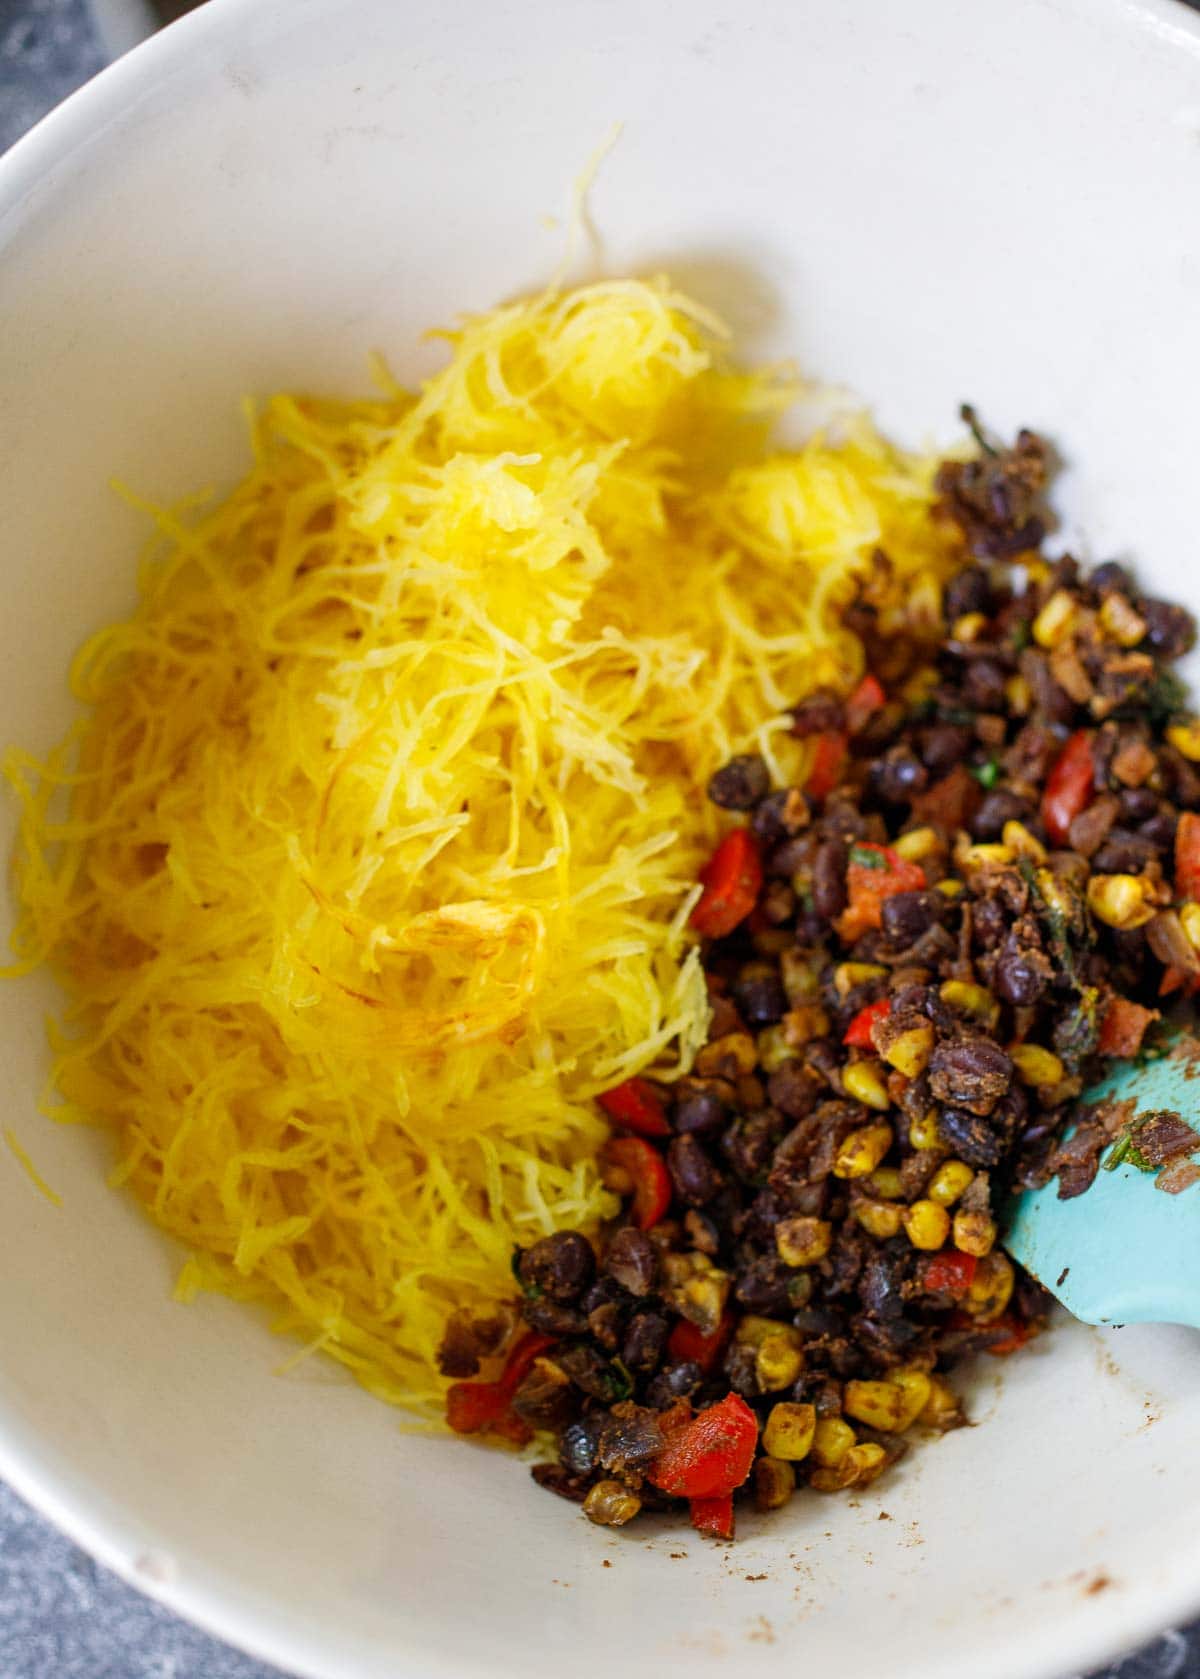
1124	1251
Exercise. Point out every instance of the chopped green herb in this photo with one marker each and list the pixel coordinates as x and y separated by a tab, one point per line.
1117	1152
531	1291
1021	635
866	858
1078	1031
957	714
987	775
622	1381
972	422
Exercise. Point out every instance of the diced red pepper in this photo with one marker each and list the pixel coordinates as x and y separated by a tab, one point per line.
485	1407
732	879
1187	855
636	1106
864	702
869	883
713	1516
829	754
1124	1026
1070	787
651	1184
858	1033
686	1343
949	1272
710	1456
1175	979
1017	1333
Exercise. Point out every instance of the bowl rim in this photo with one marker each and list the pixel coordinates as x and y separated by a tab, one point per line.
41	1477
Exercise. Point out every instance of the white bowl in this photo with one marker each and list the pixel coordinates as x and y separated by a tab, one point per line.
927	200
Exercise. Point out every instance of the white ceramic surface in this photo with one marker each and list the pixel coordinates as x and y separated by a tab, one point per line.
927	200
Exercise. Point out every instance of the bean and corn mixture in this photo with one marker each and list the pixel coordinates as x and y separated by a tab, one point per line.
917	962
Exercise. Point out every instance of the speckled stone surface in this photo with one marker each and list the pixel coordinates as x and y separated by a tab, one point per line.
61	1615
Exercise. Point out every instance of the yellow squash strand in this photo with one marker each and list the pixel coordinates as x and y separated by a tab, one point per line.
368	863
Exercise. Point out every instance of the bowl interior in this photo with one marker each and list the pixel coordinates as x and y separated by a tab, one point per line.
928	203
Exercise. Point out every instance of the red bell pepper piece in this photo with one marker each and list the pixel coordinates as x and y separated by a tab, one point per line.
711	1455
1124	1026
1017	1333
636	1106
829	754
858	1033
875	873
485	1407
1175	979
651	1184
1070	786
949	1272
687	1344
1187	855
732	879
864	702
713	1516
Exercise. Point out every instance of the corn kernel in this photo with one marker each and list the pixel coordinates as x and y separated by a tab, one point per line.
849	974
1036	1066
1022	843
866	1461
950	888
773	1049
909	1052
917	844
949	1182
774	1482
778	1362
974	1233
863	1149
833	1480
729	1057
916	1387
1120	622
789	1431
1185	738
921	683
923	1131
801	1024
752	1331
942	1408
802	1240
1016	692
886	1183
1121	900
863	1080
1055	621
880	1219
800	978
969	627
611	1504
975	1000
832	1439
985	856
991	1287
1189	915
926	1225
1037	570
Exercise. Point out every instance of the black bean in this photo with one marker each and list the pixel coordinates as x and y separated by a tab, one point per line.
886	1342
559	1266
983	685
829	879
606	1324
764	1284
677	1381
899	776
967	591
1123	853
697	1109
551	1317
1000	806
644	1341
821	1392
1159	830
793	1090
906	915
579	1444
630	1437
1138	804
791	857
1170	630
881	1282
821	713
632	1260
544	1399
592	1374
554	1478
1023	972
943	745
695	1177
973	1073
759	994
740	784
1110	576
970	1137
768	824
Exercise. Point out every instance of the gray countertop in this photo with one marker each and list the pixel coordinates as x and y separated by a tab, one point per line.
61	1615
